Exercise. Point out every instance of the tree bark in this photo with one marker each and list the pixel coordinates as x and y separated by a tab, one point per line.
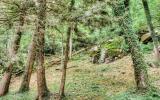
66	58
151	29
43	91
63	79
15	44
5	82
139	64
29	66
102	55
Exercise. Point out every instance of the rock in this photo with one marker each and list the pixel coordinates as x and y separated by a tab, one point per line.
146	37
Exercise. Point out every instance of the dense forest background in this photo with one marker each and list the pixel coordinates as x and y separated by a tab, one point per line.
101	41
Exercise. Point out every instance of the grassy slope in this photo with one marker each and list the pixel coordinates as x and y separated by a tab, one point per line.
86	81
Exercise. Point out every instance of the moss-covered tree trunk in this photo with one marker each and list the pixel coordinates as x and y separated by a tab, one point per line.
43	91
139	64
15	44
151	29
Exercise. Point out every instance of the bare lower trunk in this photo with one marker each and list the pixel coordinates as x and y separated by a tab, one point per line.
63	79
29	67
6	80
43	91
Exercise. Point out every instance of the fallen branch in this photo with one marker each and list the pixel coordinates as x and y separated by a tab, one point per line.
78	52
67	68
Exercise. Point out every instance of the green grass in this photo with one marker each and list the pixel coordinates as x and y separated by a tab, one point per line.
16	96
133	95
88	81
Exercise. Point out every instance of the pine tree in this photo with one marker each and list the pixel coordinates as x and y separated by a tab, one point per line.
66	58
43	91
15	44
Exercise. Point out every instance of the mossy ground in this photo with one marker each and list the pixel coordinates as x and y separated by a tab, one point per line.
86	81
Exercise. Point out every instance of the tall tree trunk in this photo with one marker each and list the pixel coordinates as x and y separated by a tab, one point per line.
140	66
66	58
43	91
29	66
15	44
63	79
151	28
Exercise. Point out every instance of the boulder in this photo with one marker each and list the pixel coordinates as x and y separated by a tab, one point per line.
146	37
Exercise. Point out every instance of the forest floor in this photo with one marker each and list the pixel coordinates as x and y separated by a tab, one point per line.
87	81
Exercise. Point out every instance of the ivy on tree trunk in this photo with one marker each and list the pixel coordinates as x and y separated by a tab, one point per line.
139	64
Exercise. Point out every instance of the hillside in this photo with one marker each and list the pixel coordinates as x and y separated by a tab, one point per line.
86	81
